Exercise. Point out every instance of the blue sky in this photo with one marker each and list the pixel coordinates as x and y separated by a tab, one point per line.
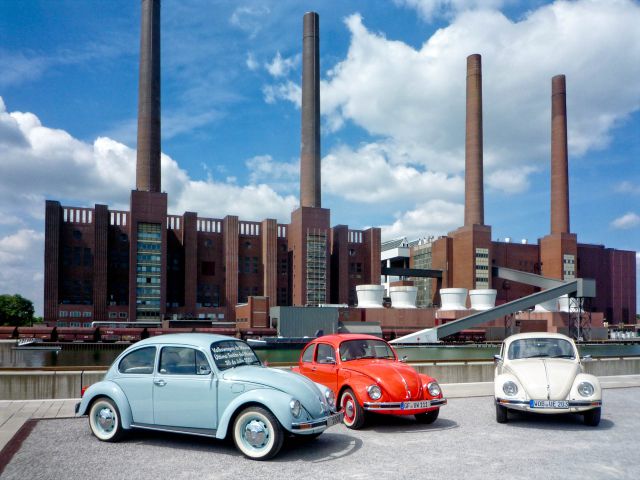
393	76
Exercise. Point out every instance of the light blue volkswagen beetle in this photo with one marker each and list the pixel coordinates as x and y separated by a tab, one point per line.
207	385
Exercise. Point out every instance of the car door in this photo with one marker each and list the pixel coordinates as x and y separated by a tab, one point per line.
184	389
135	378
306	362
324	367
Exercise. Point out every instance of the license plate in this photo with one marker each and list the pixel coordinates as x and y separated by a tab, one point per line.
548	404
335	419
415	405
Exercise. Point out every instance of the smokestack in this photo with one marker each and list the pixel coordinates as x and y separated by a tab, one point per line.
148	159
559	157
473	187
310	147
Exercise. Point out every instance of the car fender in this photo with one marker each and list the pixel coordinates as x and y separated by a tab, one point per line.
586	377
111	390
275	401
499	381
358	383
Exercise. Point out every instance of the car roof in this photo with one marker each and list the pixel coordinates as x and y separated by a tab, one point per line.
522	336
203	340
338	338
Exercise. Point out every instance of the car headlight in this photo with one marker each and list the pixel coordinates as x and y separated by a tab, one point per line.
434	389
330	397
510	388
586	389
374	392
294	405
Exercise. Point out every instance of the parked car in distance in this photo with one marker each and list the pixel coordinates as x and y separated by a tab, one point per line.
207	385
542	373
366	376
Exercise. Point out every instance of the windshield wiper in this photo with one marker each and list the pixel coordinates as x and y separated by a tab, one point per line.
562	356
537	356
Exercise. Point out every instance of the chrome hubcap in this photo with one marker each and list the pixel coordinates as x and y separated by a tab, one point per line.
106	419
255	433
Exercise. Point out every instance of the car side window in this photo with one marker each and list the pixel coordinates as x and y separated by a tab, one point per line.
326	354
307	355
183	361
138	361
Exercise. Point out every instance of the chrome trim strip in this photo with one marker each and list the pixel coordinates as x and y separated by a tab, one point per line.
201	432
572	403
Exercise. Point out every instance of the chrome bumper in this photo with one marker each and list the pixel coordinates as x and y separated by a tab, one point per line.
326	422
438	402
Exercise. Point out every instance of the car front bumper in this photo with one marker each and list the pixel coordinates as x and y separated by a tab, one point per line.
575	406
318	425
399	408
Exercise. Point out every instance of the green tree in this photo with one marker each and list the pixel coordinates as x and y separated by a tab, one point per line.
15	310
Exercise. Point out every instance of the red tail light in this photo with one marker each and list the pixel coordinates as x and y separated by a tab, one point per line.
84	389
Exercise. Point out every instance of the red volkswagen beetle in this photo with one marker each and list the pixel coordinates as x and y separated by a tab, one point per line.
366	376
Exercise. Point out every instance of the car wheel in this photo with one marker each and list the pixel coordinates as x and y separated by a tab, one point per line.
428	417
257	433
592	417
353	412
104	420
501	414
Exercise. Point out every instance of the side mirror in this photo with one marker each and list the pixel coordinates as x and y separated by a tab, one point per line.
404	358
497	358
330	360
586	358
203	370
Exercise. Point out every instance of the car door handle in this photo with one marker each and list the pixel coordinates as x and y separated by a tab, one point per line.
160	382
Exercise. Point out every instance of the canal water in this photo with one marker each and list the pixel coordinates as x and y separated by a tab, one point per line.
103	354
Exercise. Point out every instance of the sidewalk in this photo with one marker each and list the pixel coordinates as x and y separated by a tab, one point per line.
14	413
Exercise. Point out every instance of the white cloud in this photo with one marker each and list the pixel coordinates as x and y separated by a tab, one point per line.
414	98
431	9
435	217
249	18
289	91
371	175
628	187
281	176
280	67
626	221
252	63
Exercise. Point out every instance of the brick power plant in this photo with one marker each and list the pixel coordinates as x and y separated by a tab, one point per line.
148	265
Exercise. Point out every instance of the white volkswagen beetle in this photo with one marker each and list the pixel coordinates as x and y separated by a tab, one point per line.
541	372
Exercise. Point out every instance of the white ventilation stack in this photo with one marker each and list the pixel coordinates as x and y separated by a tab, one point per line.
403	296
370	296
483	299
548	306
453	298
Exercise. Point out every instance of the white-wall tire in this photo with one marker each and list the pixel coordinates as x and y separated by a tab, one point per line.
257	433
104	420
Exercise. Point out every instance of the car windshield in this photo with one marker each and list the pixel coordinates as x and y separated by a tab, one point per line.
355	349
541	348
233	353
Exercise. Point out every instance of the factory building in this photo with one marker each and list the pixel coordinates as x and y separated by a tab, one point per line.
148	265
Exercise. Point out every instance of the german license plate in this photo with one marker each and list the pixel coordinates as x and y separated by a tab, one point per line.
548	404
415	405
335	419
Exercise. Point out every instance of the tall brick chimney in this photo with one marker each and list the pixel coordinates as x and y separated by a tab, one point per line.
559	157
473	188
310	145
148	159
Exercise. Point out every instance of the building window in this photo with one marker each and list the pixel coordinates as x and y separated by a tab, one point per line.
208	243
113	314
148	261
63	313
77	235
87	314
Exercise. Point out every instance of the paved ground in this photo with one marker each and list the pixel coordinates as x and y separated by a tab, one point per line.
465	442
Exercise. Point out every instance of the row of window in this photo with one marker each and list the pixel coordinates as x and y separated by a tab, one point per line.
74	314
